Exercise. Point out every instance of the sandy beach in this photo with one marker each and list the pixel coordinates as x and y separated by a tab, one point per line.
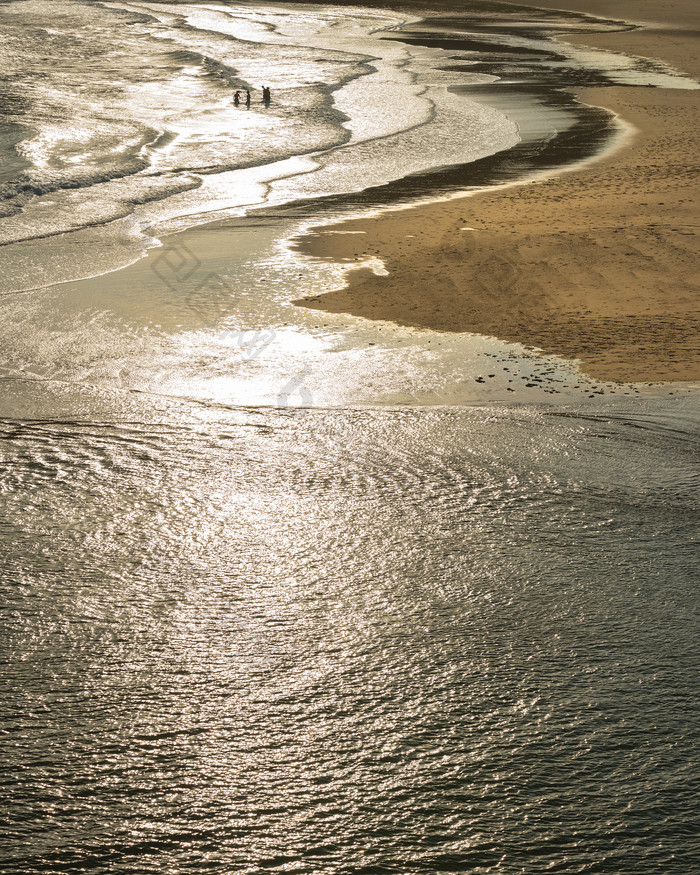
598	263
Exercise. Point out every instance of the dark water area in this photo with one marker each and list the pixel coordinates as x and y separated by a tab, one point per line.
591	130
522	58
10	162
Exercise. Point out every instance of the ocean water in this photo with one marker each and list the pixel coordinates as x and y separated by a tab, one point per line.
286	592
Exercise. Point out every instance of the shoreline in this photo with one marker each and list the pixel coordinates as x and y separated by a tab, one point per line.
576	265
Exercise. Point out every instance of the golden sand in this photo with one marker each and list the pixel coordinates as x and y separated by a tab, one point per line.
599	263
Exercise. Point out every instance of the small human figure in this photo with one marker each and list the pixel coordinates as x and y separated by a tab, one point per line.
236	98
266	94
247	98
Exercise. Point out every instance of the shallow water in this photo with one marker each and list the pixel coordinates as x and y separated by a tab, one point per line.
376	640
117	122
290	592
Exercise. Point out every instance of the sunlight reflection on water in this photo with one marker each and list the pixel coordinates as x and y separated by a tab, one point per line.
243	637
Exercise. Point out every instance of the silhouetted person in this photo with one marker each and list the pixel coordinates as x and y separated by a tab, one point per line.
266	94
247	98
236	98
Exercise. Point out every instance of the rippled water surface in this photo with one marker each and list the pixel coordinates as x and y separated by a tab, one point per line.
374	641
284	591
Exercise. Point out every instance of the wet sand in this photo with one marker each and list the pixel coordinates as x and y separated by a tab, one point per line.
598	264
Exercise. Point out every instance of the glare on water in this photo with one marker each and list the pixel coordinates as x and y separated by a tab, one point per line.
291	591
